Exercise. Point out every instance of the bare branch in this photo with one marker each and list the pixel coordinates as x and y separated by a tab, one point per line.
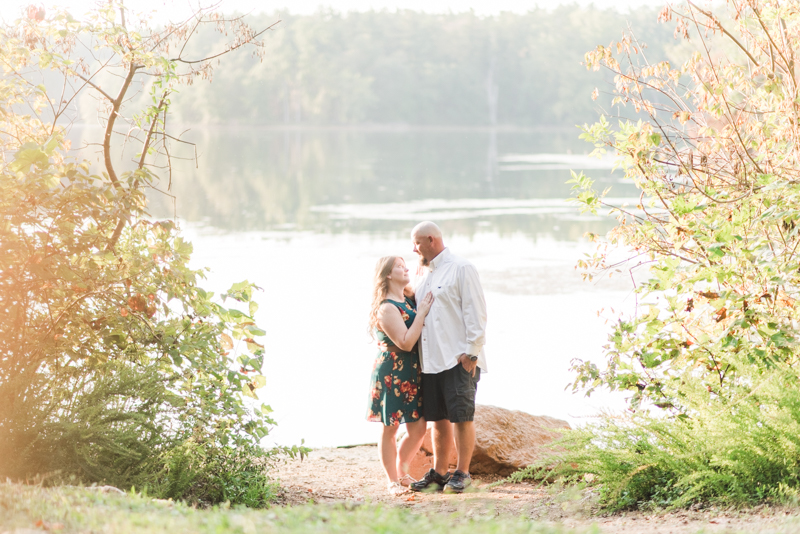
723	30
235	47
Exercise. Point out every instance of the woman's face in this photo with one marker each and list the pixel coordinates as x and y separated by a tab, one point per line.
399	272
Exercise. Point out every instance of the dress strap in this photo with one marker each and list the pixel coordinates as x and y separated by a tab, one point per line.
404	307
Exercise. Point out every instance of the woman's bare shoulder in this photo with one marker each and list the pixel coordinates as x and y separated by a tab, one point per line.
386	307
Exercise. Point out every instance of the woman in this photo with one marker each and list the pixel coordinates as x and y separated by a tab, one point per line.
395	397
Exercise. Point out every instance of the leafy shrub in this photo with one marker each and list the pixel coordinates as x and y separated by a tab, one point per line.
715	229
115	365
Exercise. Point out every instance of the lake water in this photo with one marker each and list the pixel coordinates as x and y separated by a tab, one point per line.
305	214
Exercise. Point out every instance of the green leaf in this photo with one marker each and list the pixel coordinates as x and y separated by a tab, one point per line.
258	381
28	154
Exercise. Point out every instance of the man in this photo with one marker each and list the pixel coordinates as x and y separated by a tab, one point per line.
451	351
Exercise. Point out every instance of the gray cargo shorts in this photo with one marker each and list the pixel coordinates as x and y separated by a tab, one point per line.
450	394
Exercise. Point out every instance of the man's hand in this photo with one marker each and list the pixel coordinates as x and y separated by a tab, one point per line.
468	364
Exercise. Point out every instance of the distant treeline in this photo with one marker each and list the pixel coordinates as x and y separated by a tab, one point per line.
415	68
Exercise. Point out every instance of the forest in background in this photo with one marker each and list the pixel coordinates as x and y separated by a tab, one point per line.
419	69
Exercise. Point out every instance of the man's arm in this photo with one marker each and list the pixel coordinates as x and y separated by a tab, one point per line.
473	309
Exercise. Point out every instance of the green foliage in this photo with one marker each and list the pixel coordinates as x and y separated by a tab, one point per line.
713	339
744	450
715	228
114	362
209	473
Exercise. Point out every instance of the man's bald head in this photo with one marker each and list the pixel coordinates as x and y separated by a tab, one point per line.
426	229
428	242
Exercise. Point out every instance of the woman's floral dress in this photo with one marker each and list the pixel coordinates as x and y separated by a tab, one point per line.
395	397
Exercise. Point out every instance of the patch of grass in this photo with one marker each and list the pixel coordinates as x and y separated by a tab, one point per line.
70	509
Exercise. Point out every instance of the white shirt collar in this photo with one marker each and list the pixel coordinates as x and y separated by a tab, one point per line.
441	258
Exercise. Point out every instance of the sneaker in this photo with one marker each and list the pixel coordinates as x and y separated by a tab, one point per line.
406	480
458	483
432	481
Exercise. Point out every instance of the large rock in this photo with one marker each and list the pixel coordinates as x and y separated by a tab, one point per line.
508	440
420	464
505	441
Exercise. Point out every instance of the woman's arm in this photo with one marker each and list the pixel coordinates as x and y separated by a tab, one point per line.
391	322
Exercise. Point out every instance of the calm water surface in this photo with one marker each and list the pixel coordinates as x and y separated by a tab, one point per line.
306	214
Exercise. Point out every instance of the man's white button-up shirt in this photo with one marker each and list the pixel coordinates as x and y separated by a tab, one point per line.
456	323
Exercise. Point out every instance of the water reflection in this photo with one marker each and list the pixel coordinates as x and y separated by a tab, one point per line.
261	179
264	179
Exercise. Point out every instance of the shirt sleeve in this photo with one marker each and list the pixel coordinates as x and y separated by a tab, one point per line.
473	309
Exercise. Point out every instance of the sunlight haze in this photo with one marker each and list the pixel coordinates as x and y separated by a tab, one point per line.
10	9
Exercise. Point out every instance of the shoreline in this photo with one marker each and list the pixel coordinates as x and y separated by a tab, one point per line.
365	127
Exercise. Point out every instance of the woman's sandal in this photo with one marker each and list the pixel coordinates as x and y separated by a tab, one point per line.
395	489
406	480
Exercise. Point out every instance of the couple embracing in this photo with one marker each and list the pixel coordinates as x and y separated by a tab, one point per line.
430	339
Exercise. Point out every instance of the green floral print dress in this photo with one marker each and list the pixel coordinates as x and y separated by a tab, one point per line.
395	397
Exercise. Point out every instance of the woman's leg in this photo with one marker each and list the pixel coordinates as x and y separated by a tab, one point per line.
388	451
409	445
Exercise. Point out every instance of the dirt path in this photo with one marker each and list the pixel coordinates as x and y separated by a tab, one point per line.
355	476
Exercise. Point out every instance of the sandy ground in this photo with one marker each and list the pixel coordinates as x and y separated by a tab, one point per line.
354	476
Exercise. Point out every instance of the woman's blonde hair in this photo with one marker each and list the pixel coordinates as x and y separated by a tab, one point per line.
380	289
